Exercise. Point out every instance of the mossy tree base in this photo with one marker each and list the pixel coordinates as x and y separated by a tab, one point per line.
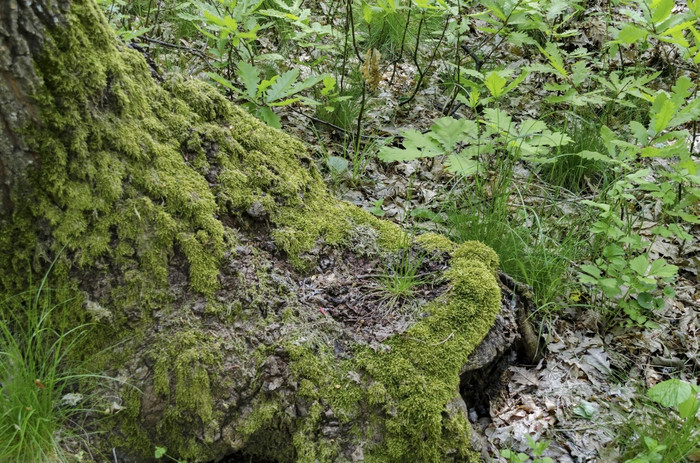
190	231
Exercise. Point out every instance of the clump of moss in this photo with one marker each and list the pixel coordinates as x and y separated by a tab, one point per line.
476	250
433	242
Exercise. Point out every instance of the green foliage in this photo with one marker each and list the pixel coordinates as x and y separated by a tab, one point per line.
537	448
41	390
663	437
261	95
402	276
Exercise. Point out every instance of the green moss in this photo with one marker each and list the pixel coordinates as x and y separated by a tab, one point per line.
183	362
476	250
436	243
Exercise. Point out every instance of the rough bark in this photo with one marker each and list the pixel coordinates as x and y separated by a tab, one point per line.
218	267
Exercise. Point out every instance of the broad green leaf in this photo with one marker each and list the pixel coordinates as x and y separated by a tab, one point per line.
249	76
499	119
269	57
495	83
631	34
282	86
659	268
640	264
160	451
449	131
662	111
670	393
366	12
610	286
640	132
307	83
222	81
530	127
590	269
554	56
416	145
661	9
681	90
689	407
337	165
462	164
645	300
266	114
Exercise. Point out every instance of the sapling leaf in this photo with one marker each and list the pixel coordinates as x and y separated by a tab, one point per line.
249	76
688	407
416	145
662	111
660	268
670	393
639	132
267	115
337	165
630	34
661	9
160	451
495	83
645	301
282	86
449	131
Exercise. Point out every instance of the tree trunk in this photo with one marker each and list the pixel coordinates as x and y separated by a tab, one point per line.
243	305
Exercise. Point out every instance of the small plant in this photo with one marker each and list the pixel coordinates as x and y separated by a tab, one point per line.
538	449
161	452
671	437
261	95
402	276
37	394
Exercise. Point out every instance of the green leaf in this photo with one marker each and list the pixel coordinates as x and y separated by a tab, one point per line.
640	132
591	270
160	451
268	115
498	119
662	112
285	102
645	301
610	286
462	164
670	393
495	83
661	9
337	165
631	34
366	12
594	156
249	76
282	86
689	407
416	145
640	264
449	131
222	81
551	51
659	268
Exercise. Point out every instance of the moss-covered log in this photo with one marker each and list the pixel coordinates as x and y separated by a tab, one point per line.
191	233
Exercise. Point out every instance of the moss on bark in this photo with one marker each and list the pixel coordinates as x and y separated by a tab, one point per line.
141	182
